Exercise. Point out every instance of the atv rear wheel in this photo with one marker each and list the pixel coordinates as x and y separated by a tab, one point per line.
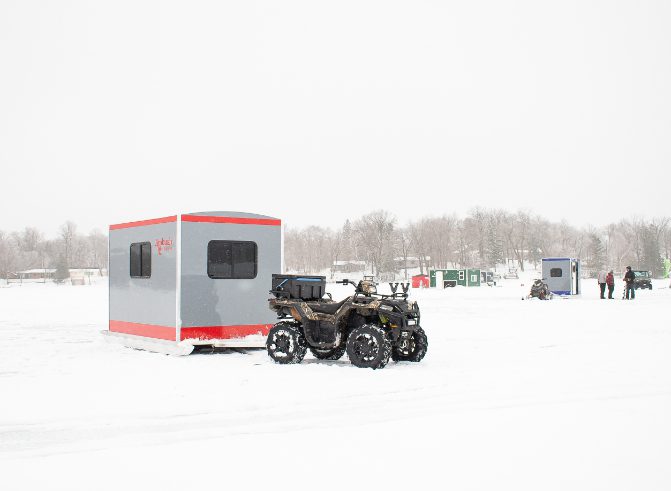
411	348
368	346
286	344
329	354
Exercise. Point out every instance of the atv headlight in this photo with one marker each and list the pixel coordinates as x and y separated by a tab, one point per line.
388	308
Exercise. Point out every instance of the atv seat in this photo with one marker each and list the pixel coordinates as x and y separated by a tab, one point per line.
326	308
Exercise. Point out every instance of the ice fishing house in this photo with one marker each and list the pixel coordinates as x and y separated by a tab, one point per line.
193	279
562	275
446	278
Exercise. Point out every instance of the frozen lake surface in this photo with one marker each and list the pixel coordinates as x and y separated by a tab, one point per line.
523	395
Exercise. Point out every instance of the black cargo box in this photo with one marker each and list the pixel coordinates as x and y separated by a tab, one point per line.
298	286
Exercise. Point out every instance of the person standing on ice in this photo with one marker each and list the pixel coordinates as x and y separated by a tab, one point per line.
610	281
601	279
629	281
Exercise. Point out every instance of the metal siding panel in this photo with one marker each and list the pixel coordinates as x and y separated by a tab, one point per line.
223	302
143	300
557	284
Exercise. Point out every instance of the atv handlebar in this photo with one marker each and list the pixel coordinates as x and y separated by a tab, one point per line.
359	292
346	281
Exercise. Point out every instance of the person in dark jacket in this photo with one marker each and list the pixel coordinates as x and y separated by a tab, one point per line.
610	282
629	282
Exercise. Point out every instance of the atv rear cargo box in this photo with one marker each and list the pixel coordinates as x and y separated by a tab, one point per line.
298	286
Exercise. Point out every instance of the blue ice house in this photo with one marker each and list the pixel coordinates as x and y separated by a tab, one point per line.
562	275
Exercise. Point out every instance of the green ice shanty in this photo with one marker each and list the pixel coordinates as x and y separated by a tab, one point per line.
446	278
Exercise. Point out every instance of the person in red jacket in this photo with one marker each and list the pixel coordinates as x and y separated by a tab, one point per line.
610	282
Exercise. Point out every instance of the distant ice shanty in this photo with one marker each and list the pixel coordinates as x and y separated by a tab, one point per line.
562	275
193	279
446	278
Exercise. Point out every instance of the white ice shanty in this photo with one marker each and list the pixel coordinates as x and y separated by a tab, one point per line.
193	279
562	275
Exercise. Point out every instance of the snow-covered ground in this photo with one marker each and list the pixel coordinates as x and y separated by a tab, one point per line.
568	394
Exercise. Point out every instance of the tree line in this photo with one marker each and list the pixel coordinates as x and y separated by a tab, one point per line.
484	238
30	249
377	244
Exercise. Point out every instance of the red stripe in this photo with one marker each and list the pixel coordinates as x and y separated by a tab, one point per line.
143	223
224	332
200	332
244	221
145	330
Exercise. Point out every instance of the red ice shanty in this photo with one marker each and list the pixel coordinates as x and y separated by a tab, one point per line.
193	279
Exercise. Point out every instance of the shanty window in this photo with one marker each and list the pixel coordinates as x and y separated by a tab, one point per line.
228	259
140	260
556	273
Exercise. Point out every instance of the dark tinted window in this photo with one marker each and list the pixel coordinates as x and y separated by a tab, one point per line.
556	273
231	259
140	260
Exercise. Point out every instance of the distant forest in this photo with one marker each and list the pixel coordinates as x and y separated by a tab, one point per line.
376	243
29	249
482	239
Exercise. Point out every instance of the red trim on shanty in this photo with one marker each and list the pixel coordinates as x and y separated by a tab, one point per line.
224	332
200	332
238	220
143	223
145	330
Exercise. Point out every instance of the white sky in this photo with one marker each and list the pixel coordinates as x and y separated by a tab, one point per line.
315	111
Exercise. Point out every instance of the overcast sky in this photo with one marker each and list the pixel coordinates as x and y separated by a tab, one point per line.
315	111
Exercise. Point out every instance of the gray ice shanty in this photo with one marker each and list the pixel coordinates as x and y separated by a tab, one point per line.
193	279
562	275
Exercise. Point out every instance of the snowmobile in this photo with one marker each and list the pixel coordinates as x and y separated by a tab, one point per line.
540	290
368	326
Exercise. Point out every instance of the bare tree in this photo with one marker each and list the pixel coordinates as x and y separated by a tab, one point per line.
7	255
68	231
336	243
97	246
403	243
374	233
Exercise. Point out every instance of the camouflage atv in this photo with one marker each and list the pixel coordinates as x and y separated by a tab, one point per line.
369	326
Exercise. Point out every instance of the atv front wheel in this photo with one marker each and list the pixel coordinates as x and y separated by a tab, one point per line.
368	346
286	344
412	347
329	354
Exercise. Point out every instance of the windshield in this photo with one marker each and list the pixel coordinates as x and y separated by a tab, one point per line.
641	274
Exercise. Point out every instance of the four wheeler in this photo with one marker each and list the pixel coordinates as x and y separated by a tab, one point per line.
368	326
540	290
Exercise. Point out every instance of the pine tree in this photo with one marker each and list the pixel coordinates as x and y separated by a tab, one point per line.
651	258
62	270
597	253
494	246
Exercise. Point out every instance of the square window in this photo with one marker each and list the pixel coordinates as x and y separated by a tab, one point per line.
232	259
